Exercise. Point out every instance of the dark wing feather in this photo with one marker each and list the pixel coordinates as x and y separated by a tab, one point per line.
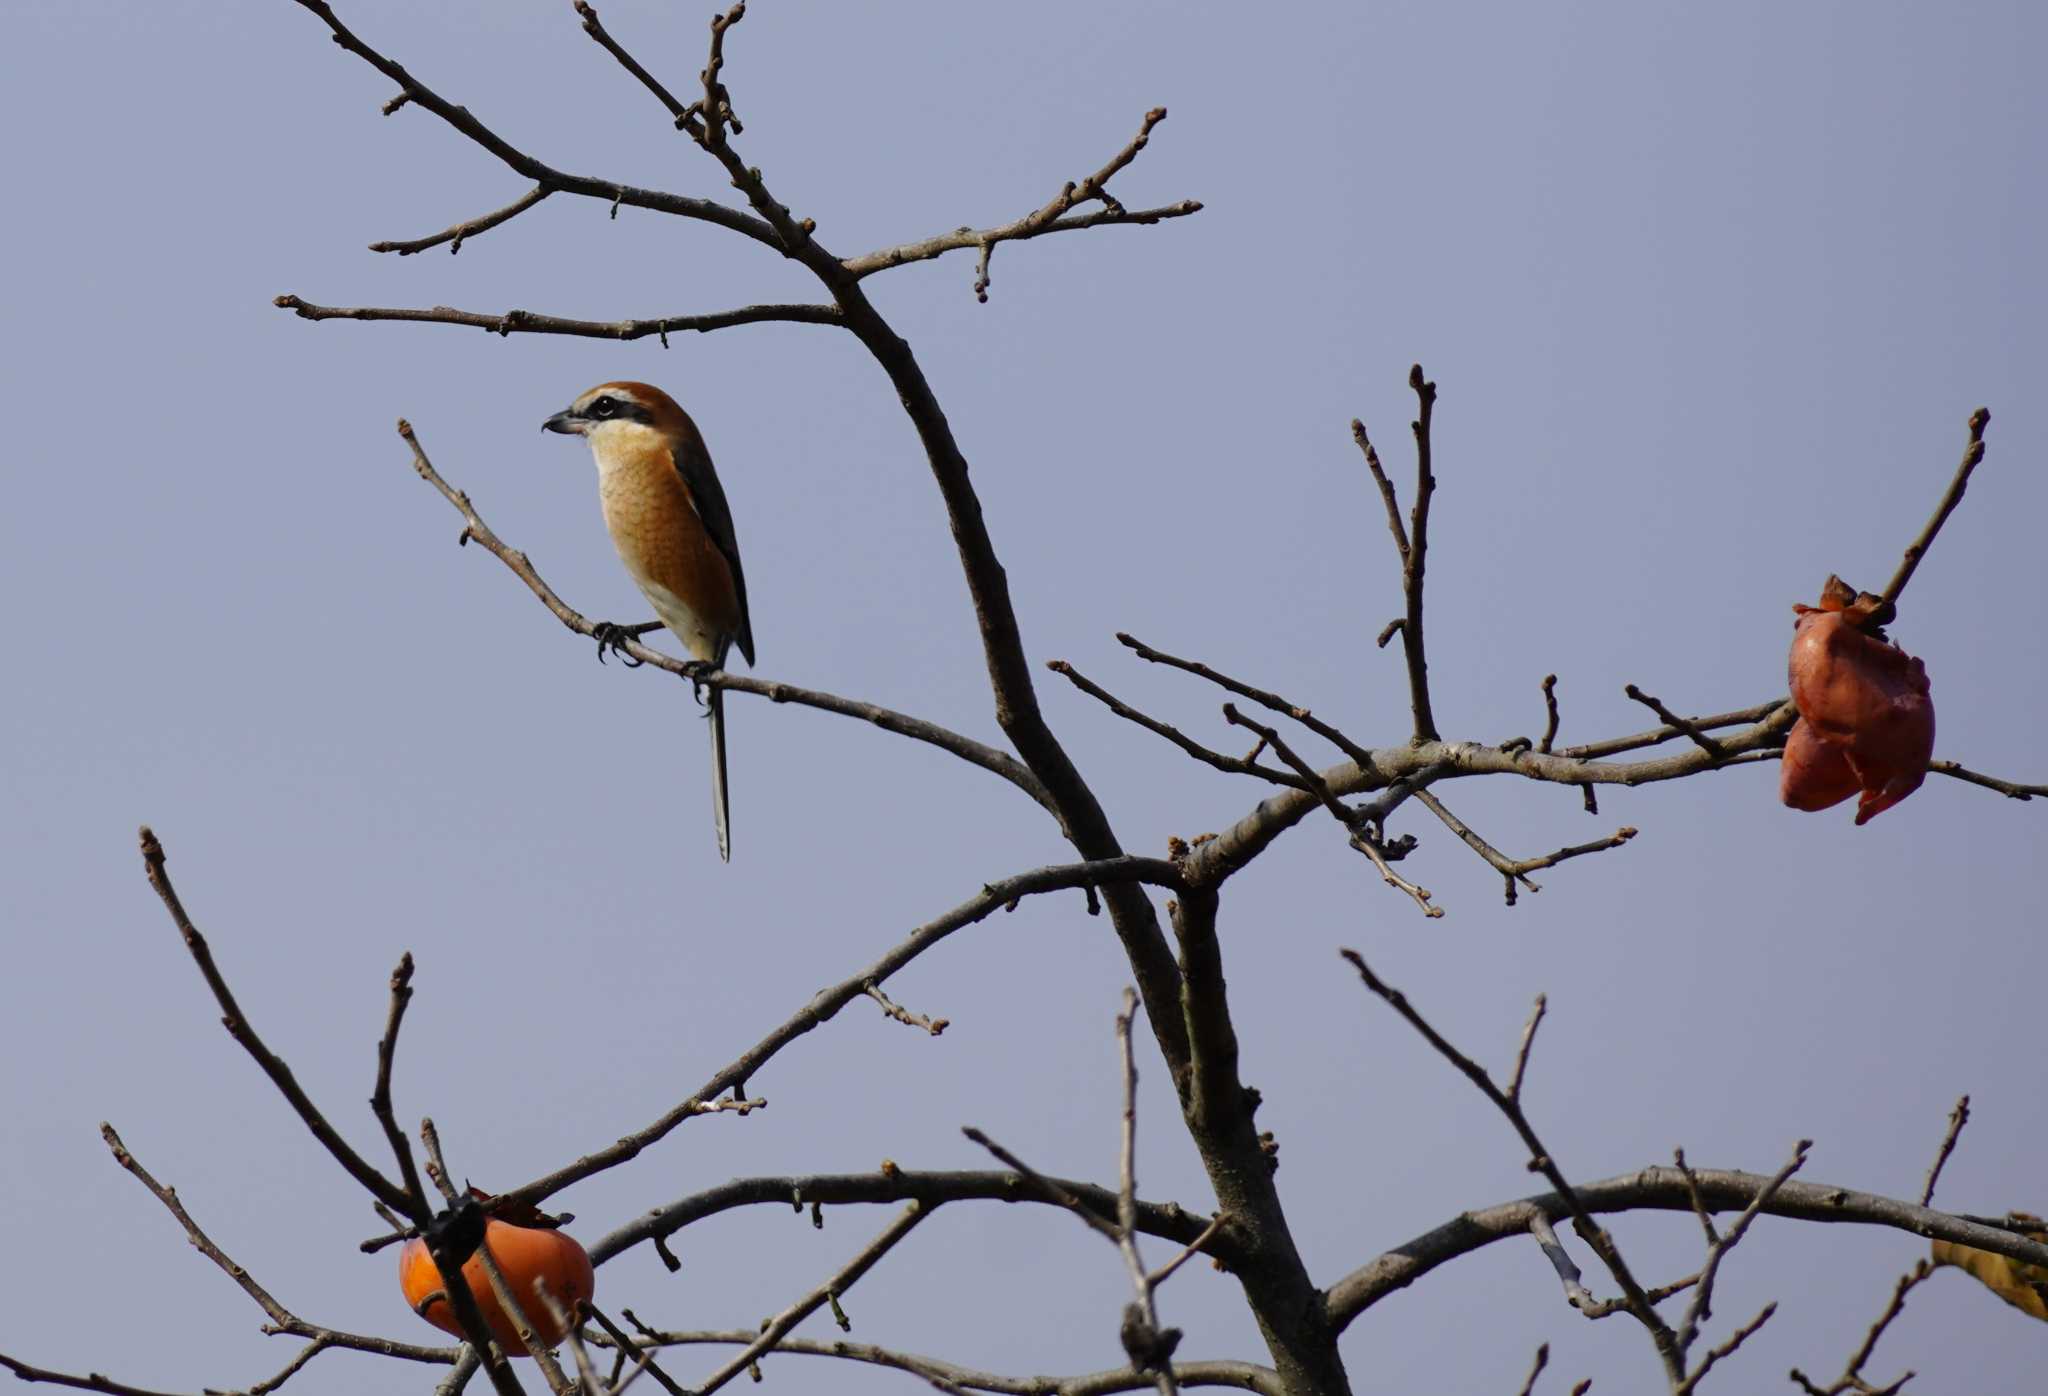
693	463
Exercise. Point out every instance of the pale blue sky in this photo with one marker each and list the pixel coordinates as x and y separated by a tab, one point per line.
1709	292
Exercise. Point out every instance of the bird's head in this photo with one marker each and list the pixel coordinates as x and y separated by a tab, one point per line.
615	408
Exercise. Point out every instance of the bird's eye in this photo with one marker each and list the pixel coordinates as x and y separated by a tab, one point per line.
603	407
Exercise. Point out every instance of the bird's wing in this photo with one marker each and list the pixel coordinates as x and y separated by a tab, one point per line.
707	497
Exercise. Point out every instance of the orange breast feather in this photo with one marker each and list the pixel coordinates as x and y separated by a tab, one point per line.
664	544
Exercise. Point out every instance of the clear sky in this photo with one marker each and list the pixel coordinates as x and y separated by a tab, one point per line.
1709	292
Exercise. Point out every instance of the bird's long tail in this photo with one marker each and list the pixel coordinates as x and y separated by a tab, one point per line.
719	812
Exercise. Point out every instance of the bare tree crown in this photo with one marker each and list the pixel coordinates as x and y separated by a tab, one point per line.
1303	768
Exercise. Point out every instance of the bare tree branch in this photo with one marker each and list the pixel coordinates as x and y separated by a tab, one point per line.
827	1002
1273	701
1669	1349
1168	1221
1412	544
1549	713
1244	1375
1054	217
380	1096
1231	764
455	235
966	748
532	322
897	1011
1662	1189
1852	1379
1917	549
1514	870
628	1348
842	1280
282	1320
418	94
1957	1118
1692	733
93	1381
238	1026
2004	787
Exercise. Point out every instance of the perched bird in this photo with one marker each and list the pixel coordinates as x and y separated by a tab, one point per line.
668	518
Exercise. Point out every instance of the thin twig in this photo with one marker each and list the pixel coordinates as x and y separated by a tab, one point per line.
1957	1118
1053	217
2009	789
1521	1067
467	229
1541	1160
1575	1292
1687	727
1172	734
1549	713
1372	849
1727	1349
842	1280
827	1002
628	1348
895	1010
1701	1305
1308	775
238	1026
380	1096
1917	549
1261	696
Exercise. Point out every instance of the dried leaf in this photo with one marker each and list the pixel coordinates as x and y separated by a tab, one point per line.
2023	1286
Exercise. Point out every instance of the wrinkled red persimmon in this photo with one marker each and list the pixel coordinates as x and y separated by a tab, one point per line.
1866	715
525	1255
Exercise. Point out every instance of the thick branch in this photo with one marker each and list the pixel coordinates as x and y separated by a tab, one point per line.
1662	1189
530	322
1243	841
1244	1375
1219	1112
1166	1220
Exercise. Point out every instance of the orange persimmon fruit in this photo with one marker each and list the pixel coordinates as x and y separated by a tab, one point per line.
525	1254
1866	714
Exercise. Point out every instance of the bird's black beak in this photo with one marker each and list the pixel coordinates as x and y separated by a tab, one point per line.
566	422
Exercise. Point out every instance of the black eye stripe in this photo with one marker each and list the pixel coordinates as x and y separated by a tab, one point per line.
617	409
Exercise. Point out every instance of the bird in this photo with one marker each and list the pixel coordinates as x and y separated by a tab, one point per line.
668	518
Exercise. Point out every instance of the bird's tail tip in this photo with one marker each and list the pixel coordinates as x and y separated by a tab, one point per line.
720	811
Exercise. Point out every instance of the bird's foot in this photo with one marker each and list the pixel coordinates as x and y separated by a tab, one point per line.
611	638
697	671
